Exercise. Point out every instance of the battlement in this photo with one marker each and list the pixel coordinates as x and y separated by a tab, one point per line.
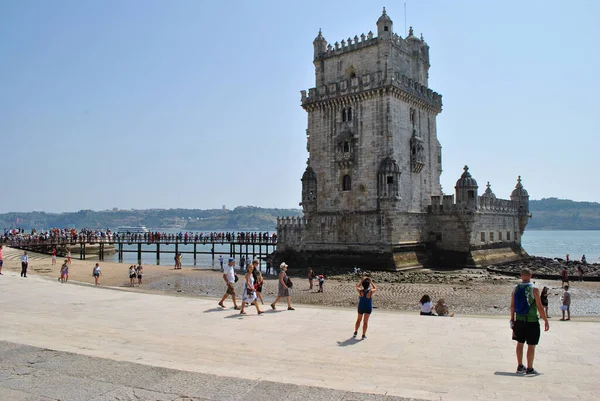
485	205
350	45
291	222
368	82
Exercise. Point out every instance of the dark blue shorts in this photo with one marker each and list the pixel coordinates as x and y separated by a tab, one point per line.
363	311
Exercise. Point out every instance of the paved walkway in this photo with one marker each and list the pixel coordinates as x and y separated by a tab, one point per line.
460	358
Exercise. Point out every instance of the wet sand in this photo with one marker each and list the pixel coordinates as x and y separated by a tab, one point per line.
472	292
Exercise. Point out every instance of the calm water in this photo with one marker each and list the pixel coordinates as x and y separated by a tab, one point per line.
539	243
557	243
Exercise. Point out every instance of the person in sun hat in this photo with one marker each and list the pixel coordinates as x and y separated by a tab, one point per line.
229	277
284	287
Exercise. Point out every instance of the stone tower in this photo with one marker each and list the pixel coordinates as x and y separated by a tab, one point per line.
371	191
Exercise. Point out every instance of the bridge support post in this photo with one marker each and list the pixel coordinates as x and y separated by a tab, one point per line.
157	253
139	252
195	253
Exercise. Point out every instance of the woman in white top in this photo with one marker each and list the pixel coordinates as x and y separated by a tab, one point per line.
249	294
426	306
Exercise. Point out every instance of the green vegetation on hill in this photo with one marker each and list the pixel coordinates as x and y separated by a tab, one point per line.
564	214
241	218
548	214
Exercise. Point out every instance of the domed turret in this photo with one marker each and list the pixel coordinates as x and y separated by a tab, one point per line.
309	190
466	189
411	36
488	192
519	191
466	180
320	45
521	197
384	26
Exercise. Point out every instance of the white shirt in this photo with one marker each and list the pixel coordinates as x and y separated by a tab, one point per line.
426	307
230	273
24	258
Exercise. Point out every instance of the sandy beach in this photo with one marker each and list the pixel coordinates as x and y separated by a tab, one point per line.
467	292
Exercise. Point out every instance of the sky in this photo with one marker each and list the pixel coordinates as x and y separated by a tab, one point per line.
196	104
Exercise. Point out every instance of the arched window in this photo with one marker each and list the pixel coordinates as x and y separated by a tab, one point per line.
346	183
349	113
344	115
346	146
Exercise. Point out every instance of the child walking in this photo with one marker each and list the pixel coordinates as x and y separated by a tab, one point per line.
566	304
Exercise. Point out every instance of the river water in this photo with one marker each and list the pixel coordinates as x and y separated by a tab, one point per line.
550	243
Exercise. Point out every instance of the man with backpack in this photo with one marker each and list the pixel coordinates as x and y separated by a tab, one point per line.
525	304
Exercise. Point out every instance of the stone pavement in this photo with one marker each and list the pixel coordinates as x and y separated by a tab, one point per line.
405	355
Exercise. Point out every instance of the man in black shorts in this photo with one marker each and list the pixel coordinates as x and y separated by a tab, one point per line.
525	304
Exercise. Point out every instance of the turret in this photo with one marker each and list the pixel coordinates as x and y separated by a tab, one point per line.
521	197
385	26
488	192
466	190
320	45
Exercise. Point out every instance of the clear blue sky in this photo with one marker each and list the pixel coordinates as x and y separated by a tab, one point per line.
196	104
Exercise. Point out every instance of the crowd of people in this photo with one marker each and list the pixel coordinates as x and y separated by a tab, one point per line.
72	235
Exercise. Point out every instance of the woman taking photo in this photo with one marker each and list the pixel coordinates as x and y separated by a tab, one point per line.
365	289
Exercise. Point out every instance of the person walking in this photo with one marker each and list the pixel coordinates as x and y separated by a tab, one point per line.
53	256
96	272
1	258
221	261
69	256
544	299
566	303
24	264
311	276
564	276
132	275
249	294
283	288
525	304
229	277
140	273
365	289
580	272
258	280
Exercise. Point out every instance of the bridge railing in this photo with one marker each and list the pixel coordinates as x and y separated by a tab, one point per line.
18	242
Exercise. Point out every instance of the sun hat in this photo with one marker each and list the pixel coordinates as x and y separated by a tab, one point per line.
231	260
282	265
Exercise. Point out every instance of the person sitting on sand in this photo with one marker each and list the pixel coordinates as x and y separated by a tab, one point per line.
441	308
426	306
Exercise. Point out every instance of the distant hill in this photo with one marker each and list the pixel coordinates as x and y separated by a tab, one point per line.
548	214
563	214
247	218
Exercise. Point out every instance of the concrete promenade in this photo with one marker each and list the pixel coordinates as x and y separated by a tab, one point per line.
461	358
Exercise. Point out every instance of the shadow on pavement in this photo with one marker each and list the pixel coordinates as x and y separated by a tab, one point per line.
514	374
214	310
350	341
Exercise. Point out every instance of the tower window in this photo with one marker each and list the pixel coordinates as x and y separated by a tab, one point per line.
491	237
390	179
346	147
412	116
385	28
343	114
471	194
349	113
508	235
500	236
482	237
346	183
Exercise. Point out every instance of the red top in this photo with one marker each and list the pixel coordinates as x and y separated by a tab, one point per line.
54	252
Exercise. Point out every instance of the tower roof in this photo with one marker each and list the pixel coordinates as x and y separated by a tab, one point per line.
519	190
488	192
319	37
466	180
411	35
384	18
